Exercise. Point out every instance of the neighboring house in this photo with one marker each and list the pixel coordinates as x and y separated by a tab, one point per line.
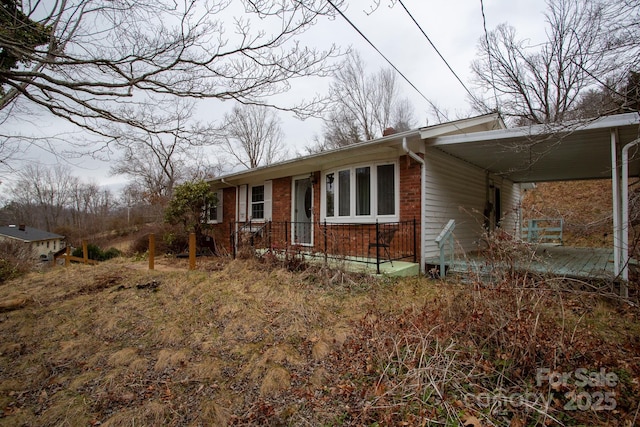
390	198
41	242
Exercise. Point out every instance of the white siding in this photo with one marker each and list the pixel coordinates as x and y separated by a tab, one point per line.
458	190
511	198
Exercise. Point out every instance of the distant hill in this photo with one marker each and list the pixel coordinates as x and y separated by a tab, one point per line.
585	207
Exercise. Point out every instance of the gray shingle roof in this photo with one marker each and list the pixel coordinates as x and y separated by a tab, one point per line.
29	234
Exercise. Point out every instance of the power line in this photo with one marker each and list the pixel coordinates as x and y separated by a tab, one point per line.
486	39
385	58
437	51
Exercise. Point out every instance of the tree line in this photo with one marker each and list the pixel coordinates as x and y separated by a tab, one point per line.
135	78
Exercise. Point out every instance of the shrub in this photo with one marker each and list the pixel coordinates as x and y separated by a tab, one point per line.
94	252
16	258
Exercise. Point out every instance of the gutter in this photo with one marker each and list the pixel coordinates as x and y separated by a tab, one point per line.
423	184
625	215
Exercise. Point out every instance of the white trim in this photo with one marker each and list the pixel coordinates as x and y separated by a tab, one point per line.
293	209
353	218
266	201
218	194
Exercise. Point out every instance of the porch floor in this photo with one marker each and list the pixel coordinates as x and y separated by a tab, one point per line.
559	261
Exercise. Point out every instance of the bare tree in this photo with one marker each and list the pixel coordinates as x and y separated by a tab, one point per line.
85	59
364	105
43	194
542	84
253	136
158	157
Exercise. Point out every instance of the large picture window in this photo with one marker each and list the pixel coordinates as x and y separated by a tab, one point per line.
362	192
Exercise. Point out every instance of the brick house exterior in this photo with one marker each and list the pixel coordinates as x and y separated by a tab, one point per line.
351	200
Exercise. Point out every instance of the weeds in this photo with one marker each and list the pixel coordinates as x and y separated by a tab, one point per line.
242	344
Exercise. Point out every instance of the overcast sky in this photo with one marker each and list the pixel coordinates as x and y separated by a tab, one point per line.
454	26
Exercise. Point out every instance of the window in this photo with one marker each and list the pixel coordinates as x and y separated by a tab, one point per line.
344	187
330	192
386	190
254	202
213	209
257	202
362	192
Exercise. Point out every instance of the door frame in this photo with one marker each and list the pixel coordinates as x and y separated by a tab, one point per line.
294	203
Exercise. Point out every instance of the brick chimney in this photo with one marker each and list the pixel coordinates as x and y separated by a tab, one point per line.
388	131
22	227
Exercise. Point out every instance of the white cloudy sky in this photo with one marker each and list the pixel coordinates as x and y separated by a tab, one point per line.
454	26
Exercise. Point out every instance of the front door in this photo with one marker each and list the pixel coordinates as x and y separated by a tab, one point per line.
302	230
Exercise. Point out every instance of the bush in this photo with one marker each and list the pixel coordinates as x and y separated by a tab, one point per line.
95	253
15	259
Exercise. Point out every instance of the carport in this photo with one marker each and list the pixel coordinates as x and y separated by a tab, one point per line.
606	147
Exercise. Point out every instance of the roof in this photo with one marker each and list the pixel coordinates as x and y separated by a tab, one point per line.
29	234
577	150
538	153
384	147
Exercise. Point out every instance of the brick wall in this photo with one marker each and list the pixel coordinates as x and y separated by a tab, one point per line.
355	241
281	199
221	232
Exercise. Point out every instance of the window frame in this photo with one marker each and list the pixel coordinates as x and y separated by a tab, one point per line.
373	194
266	202
218	206
253	203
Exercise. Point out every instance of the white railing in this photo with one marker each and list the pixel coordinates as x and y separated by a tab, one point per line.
445	236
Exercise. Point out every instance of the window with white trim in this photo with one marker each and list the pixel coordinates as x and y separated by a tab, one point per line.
259	201
213	209
361	193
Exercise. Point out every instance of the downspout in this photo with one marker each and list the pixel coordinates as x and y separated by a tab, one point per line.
423	184
625	214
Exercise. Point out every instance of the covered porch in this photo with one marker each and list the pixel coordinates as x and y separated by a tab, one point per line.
549	260
606	147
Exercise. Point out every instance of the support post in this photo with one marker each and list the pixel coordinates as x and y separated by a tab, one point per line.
152	250
67	259
85	252
617	201
192	251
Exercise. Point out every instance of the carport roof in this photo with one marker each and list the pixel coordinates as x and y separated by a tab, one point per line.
580	150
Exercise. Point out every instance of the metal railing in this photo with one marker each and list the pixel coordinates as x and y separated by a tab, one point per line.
444	240
370	243
543	230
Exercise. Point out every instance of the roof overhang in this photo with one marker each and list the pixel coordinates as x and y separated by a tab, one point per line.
380	148
579	150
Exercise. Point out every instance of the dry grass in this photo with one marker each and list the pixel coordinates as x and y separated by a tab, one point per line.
249	344
585	207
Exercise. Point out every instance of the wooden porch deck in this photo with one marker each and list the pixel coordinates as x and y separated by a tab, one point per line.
553	260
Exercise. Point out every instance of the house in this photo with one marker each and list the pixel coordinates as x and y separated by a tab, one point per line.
394	198
41	242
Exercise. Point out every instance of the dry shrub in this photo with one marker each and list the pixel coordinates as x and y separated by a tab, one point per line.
16	259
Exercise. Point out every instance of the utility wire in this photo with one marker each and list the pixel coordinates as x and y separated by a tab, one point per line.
437	51
486	39
385	58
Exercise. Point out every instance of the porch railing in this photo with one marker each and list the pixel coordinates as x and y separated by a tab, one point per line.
370	243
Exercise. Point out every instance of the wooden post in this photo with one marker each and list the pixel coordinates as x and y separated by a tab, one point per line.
152	250
67	261
192	251
85	252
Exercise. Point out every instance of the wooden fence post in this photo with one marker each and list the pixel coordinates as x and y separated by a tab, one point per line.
85	252
152	250
192	251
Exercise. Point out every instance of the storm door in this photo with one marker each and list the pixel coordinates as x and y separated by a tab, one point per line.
302	230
